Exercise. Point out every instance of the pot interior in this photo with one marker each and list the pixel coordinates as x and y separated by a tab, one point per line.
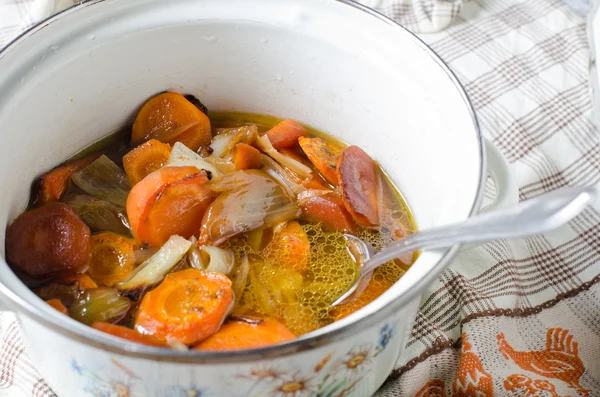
356	76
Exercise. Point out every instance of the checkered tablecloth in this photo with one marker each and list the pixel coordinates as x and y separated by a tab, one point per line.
519	318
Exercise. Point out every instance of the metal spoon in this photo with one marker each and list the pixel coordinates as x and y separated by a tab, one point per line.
538	215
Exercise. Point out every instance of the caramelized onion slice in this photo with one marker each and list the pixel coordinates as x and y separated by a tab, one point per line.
104	179
153	270
240	278
181	155
249	200
277	172
265	144
100	305
100	215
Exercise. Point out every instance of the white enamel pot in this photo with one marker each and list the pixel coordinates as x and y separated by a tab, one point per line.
335	65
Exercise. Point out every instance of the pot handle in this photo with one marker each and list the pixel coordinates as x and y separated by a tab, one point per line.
498	168
507	193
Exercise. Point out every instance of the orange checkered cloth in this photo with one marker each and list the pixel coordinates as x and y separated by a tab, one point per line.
518	318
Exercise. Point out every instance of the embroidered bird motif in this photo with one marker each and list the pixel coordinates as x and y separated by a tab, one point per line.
471	379
560	360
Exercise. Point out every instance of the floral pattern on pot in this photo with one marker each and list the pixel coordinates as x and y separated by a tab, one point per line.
332	376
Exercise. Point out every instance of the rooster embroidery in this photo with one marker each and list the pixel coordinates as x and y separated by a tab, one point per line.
559	361
471	379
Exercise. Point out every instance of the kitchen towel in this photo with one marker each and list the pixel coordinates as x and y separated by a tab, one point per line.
518	318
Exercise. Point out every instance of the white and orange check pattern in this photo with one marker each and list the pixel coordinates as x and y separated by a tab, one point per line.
519	318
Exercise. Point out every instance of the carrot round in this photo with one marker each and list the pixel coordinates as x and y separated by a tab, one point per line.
145	159
171	200
323	156
329	210
113	258
187	306
239	335
170	117
48	241
359	184
289	247
129	334
57	304
285	134
54	184
245	157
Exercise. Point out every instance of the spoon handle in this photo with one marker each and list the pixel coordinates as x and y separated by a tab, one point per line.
534	216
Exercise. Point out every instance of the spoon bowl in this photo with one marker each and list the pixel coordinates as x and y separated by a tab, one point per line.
538	215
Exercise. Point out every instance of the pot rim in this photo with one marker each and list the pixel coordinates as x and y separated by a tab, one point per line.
307	342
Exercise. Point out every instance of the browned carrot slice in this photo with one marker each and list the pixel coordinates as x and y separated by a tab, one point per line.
170	117
54	184
239	335
145	159
359	182
187	306
49	241
129	334
245	157
289	246
329	210
113	258
285	134
171	200
323	156
57	304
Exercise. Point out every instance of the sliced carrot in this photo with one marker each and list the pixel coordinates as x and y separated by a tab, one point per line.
245	157
170	117
285	134
187	306
57	304
113	258
83	281
323	156
145	159
289	247
239	335
54	184
330	211
374	290
171	200
129	334
359	182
